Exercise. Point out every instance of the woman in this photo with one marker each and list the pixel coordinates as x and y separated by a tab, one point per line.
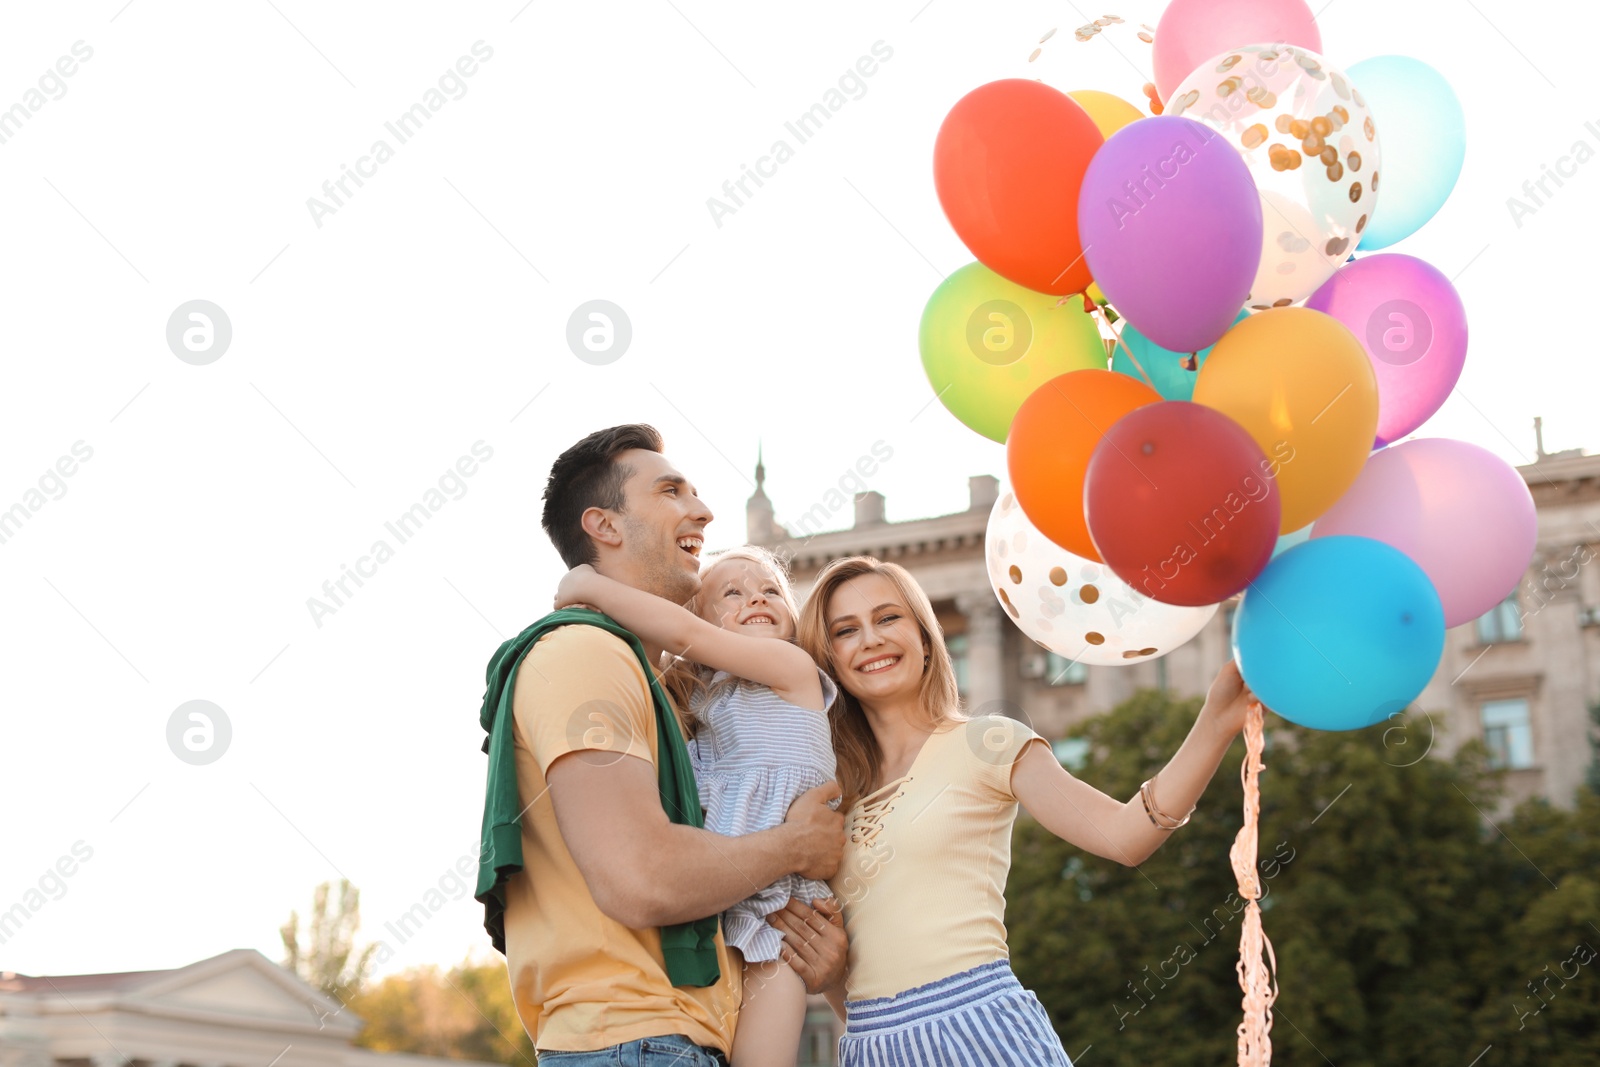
931	797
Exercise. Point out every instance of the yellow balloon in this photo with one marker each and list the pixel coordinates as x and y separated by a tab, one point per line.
1110	113
1303	387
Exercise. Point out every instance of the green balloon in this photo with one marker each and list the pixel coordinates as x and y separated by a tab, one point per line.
987	343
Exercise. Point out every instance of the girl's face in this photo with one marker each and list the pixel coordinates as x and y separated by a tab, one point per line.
741	595
876	642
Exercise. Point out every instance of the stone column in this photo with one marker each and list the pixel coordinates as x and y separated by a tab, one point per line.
985	658
1558	711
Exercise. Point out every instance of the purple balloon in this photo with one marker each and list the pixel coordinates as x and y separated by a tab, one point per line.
1461	513
1411	322
1170	222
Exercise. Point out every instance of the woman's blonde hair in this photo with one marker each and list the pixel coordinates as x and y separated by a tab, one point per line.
856	748
685	680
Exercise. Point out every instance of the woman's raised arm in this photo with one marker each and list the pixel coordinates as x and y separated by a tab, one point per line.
1082	815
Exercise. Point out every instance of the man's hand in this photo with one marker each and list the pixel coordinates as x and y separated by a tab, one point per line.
817	831
814	942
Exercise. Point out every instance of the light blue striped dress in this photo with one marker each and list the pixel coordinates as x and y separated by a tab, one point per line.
753	754
980	1016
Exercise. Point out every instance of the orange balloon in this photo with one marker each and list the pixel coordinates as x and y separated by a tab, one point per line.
1007	164
1052	437
1304	388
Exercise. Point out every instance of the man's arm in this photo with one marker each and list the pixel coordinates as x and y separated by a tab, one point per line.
644	870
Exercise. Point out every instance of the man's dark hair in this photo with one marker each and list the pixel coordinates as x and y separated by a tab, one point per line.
585	476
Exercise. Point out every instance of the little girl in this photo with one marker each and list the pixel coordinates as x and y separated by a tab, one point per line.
761	738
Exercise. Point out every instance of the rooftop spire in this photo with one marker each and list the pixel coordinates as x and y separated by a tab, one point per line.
761	527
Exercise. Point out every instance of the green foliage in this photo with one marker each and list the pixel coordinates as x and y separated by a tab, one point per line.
466	1012
326	956
1405	926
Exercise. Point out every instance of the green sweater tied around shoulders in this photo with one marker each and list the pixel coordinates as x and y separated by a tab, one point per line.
688	949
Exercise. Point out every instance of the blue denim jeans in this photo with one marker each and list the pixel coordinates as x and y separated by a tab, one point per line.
672	1050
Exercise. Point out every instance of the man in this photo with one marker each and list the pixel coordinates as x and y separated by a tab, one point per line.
605	907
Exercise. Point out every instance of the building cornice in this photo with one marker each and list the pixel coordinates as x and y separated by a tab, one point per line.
1563	479
959	534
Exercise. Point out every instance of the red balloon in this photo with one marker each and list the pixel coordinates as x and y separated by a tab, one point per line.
1181	503
1008	162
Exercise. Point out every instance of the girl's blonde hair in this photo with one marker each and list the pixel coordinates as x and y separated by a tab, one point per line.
856	748
686	681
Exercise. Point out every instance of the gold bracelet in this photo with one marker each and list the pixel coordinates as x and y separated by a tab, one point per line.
1158	818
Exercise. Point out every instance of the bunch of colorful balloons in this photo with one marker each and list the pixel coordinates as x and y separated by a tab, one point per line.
1244	436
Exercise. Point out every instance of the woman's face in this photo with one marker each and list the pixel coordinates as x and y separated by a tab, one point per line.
877	645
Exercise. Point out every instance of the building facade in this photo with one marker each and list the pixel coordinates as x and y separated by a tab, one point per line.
238	1009
1522	678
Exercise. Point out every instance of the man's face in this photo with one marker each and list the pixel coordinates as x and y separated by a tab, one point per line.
663	528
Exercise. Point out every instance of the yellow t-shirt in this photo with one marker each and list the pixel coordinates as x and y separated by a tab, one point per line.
580	980
923	878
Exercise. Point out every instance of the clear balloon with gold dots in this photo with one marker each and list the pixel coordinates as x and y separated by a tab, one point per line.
1073	606
1311	144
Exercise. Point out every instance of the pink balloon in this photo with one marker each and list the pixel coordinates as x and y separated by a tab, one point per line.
1461	513
1192	31
1410	320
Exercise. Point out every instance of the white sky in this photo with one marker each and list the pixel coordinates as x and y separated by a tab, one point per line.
424	314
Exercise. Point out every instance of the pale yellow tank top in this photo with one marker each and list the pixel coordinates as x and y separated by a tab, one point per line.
924	872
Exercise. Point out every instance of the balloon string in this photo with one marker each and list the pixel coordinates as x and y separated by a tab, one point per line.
1257	977
1099	312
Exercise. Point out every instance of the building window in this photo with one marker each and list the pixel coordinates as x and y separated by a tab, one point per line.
958	646
1503	622
1059	670
817	1043
1071	752
1507	733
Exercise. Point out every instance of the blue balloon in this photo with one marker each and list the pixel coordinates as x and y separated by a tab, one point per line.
1339	633
1423	134
1165	368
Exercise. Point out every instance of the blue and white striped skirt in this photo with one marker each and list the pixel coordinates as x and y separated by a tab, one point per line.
978	1017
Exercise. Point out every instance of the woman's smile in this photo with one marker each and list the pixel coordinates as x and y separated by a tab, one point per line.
879	663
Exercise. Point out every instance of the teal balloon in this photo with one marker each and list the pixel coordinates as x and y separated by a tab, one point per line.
1339	633
1290	539
1424	137
1164	367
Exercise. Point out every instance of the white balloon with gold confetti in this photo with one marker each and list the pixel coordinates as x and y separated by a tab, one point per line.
1073	606
1312	147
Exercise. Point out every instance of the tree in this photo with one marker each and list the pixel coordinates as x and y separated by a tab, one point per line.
326	957
1542	997
466	1012
1403	922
